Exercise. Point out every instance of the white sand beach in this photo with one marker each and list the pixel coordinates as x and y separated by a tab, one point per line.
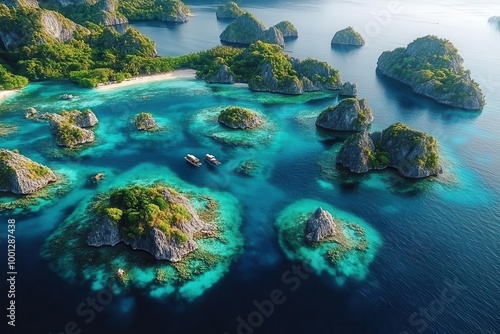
188	73
4	94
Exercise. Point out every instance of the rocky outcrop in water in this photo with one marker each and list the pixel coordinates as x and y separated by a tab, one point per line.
21	175
145	122
273	36
348	36
245	30
66	129
176	12
413	153
31	113
86	119
229	11
287	29
432	67
223	75
348	89
161	245
349	115
240	118
321	225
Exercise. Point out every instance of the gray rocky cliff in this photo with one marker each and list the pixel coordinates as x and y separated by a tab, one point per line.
162	247
223	75
21	3
58	27
349	115
86	119
355	153
287	29
273	36
348	36
145	122
432	59
348	89
321	225
21	175
66	132
413	153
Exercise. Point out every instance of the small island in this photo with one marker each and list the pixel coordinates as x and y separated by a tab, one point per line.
247	29
348	36
349	115
327	239
287	29
69	127
145	122
229	11
413	153
240	118
432	67
156	219
20	175
149	231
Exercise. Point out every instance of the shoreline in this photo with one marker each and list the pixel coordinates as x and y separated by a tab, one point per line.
5	94
177	74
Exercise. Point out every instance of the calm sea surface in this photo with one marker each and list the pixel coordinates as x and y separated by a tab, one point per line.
438	268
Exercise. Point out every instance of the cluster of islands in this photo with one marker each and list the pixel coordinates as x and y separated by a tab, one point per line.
188	231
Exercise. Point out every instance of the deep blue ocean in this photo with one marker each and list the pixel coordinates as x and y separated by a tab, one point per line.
438	267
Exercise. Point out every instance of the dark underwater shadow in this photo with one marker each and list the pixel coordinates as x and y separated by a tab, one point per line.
407	100
345	49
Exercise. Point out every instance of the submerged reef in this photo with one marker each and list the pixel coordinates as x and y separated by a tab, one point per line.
208	122
327	239
203	222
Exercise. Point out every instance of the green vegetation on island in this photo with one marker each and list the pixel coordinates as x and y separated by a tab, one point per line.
413	153
287	29
229	11
348	36
265	67
135	210
433	67
240	118
145	121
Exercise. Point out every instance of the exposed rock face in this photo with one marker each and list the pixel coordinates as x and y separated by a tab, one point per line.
223	75
240	118
312	75
58	27
273	36
436	71
320	226
229	11
31	113
86	119
177	13
349	115
161	246
19	3
245	30
349	89
287	29
66	131
348	36
145	121
414	154
21	175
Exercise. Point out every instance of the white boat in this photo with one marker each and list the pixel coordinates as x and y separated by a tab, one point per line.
212	159
193	160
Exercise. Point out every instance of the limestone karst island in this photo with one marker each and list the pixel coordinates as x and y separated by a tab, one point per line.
249	167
